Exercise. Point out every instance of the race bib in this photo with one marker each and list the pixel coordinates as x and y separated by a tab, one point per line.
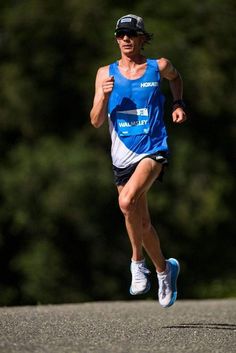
133	122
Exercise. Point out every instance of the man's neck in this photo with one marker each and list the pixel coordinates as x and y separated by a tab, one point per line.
131	61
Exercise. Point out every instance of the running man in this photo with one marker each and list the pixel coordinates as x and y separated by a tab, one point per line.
128	94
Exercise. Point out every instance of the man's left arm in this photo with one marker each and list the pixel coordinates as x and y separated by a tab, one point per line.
169	72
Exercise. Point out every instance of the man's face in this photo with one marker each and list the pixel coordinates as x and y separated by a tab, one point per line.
129	42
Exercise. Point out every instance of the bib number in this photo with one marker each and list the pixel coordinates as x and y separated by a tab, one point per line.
133	122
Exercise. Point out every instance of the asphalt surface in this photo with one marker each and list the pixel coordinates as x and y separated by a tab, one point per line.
120	327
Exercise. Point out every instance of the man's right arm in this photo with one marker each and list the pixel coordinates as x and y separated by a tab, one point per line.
103	87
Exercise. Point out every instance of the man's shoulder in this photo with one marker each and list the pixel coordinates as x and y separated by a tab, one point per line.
103	71
163	64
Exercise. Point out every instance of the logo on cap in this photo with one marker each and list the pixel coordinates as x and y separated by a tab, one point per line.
126	20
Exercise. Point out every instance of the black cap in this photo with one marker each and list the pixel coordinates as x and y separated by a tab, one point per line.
131	22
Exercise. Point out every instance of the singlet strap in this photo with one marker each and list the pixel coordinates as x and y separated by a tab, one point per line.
113	69
153	63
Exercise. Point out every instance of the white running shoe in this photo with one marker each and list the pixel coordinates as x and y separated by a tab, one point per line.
167	292
140	282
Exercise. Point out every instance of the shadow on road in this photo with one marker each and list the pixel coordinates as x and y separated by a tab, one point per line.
211	326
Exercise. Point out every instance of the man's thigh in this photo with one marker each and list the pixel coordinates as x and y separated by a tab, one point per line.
141	180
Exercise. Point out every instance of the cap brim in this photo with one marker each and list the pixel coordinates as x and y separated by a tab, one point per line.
129	29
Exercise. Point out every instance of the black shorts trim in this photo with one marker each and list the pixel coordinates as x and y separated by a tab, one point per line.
122	175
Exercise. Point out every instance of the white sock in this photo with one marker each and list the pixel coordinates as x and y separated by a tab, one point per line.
138	262
166	270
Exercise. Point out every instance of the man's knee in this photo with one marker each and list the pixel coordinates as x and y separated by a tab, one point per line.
126	203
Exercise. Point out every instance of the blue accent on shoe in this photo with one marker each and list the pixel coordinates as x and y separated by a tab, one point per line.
175	269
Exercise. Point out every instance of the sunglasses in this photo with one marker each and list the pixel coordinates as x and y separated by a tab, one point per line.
126	32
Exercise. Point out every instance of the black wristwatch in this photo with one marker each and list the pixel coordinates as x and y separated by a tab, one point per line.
179	103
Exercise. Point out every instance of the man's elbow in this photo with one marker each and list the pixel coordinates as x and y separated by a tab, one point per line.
95	122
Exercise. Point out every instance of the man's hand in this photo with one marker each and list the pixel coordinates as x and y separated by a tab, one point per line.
107	85
179	115
103	87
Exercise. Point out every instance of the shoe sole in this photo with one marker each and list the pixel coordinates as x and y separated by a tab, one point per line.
144	291
175	267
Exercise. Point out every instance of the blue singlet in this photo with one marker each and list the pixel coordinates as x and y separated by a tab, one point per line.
135	111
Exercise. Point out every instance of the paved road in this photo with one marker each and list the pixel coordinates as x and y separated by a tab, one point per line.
120	327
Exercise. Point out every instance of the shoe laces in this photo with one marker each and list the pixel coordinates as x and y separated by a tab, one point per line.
164	284
139	272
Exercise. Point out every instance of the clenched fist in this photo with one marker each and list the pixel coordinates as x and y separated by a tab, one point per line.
108	85
179	115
